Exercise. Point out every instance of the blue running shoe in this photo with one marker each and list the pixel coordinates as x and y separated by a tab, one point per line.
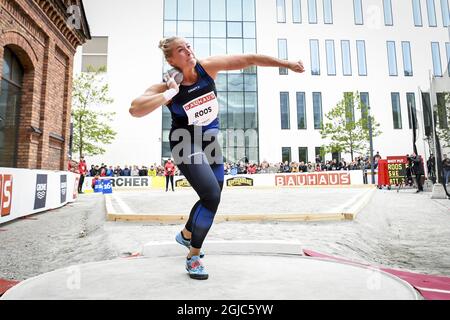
196	269
179	238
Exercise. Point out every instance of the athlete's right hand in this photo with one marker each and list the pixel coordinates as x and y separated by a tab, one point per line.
171	83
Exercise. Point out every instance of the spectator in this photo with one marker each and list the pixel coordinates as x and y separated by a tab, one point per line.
92	171
82	170
169	171
431	167
135	171
446	168
286	167
418	170
126	172
110	171
118	172
152	171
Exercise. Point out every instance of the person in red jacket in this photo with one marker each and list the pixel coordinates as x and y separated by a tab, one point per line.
169	171
82	169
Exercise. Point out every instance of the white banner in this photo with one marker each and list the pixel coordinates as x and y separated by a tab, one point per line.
25	191
323	178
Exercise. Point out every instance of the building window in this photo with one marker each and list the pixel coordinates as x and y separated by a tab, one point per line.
442	110
358	11
417	13
331	60
296	11
349	107
170	9
10	95
364	101
215	28
392	58
218	10
411	102
281	11
361	52
317	151
201	10
396	110
317	110
248	13
407	61
95	54
315	60
431	10
445	13
387	7
303	154
282	54
284	109
312	11
346	58
447	49
234	10
327	12
301	110
185	10
437	66
426	103
286	154
336	156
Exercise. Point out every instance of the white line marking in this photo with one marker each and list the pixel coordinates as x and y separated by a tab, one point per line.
433	290
123	206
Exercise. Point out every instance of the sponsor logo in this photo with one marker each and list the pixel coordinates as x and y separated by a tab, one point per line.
107	186
199	101
313	179
193	89
182	183
41	191
239	182
63	187
130	182
6	188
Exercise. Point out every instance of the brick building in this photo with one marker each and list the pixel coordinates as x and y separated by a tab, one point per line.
38	40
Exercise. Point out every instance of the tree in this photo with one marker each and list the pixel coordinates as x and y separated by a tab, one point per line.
344	132
90	127
443	113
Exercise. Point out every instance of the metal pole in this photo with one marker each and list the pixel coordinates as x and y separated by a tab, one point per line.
433	129
372	169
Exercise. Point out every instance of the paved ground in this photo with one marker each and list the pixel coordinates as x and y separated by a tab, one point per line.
283	277
399	230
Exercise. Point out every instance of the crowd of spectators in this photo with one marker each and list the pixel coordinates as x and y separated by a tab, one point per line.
241	167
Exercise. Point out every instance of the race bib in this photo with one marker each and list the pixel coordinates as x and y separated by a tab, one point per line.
203	110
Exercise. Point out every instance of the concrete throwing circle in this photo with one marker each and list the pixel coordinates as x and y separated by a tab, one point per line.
237	276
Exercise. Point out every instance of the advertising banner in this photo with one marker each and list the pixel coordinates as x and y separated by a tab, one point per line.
25	191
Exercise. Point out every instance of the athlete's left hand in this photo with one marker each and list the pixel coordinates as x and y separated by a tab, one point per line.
296	66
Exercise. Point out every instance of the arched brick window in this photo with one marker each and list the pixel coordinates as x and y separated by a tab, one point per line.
10	97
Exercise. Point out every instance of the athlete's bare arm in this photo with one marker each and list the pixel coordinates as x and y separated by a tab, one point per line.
215	64
151	100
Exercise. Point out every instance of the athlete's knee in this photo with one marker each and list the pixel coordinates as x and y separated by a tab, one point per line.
211	199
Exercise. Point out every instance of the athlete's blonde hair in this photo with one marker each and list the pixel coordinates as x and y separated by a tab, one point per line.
166	45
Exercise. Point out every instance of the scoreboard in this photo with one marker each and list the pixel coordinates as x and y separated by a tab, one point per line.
396	168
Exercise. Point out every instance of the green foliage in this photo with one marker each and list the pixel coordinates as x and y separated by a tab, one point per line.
443	129
345	133
90	127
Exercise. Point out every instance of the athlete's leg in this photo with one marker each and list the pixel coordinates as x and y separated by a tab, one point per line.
202	179
213	153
